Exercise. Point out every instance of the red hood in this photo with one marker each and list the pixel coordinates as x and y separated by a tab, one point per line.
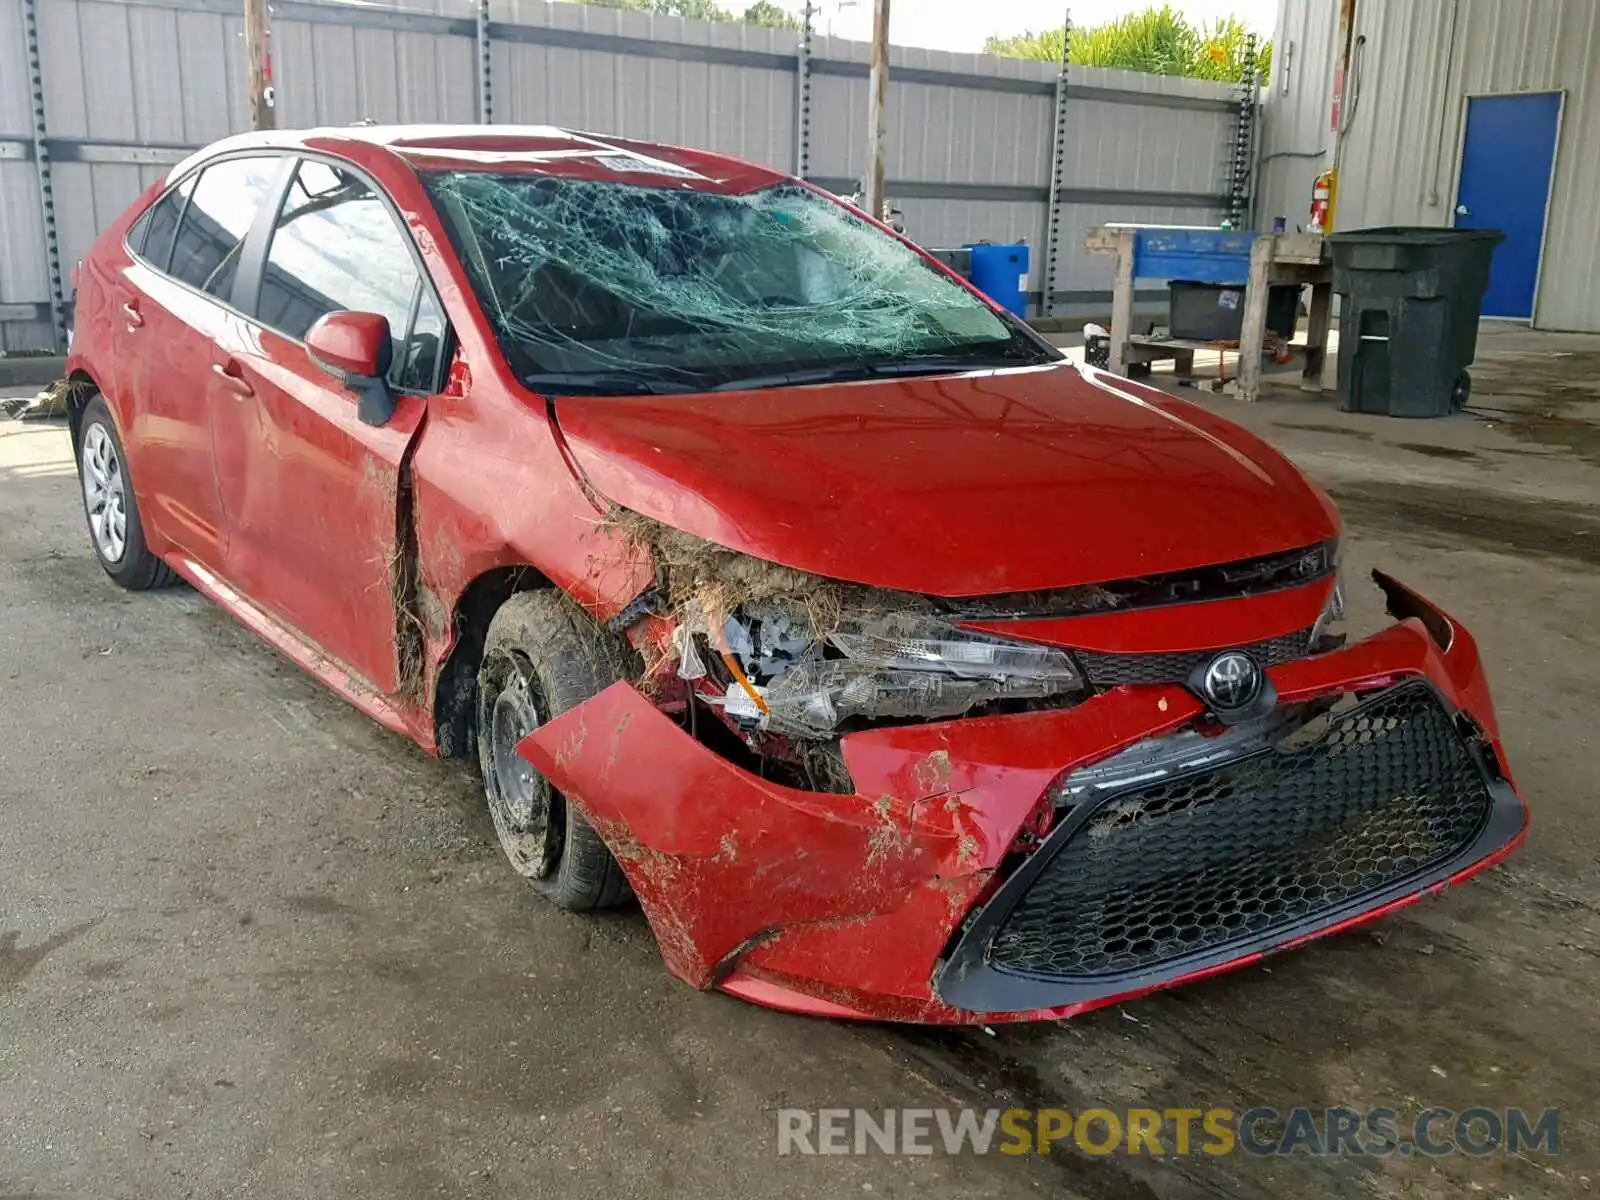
954	486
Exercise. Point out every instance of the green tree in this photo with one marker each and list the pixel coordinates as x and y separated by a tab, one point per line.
765	12
1159	41
762	12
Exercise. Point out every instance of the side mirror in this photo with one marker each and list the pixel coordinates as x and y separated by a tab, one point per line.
355	348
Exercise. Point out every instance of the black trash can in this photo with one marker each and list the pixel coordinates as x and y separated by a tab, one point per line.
1409	300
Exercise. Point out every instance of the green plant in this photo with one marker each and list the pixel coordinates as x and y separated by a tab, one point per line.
1221	53
1159	41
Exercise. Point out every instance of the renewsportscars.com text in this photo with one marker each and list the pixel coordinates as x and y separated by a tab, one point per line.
1336	1131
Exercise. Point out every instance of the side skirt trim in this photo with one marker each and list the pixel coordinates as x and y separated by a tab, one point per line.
315	662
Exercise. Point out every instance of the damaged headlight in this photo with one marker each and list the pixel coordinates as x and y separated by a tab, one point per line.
897	665
783	651
913	643
1328	632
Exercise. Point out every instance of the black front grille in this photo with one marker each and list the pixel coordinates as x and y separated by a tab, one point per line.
1190	864
1220	581
1109	670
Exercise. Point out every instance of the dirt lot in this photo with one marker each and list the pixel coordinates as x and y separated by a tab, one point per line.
252	944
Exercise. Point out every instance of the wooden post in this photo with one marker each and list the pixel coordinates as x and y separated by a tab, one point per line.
1317	336
877	109
1252	335
258	52
1122	302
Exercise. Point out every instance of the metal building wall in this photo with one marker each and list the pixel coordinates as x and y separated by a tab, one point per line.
1401	157
1296	135
130	86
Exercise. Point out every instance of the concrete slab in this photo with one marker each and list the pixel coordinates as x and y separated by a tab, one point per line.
250	943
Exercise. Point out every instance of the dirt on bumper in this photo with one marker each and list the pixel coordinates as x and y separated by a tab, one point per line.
848	905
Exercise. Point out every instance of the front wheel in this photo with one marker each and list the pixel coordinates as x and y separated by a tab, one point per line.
542	657
115	530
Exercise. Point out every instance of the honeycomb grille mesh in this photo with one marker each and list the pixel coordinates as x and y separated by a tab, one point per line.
1192	863
1110	670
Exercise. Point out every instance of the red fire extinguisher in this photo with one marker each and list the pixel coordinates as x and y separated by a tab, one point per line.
1323	191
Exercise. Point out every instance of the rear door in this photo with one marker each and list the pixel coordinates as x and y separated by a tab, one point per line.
311	494
177	305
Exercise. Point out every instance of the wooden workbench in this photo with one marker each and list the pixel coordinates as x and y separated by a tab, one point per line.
1298	258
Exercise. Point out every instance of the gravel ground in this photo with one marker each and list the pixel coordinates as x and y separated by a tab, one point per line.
252	944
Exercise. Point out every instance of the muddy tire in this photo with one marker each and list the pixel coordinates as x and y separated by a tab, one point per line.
115	529
542	657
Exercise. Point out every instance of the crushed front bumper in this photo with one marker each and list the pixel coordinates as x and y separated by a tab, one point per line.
924	897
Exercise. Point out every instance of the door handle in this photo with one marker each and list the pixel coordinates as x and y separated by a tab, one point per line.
231	379
132	315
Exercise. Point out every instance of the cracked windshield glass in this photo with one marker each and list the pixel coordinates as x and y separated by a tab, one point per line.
614	287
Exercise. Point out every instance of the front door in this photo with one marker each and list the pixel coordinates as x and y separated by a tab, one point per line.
311	494
1507	162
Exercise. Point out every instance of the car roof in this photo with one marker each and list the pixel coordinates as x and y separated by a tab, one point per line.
523	149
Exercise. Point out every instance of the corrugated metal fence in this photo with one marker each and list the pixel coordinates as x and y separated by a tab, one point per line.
108	93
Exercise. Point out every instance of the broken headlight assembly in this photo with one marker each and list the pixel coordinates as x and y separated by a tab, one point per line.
792	680
1329	632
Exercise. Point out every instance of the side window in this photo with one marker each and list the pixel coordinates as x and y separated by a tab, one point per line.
335	247
205	253
417	369
151	238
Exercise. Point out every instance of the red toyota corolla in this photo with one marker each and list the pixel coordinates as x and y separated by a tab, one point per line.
770	574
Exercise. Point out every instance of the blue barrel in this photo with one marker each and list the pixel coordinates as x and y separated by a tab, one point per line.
1001	273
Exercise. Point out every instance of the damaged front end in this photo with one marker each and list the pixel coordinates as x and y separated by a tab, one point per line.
786	663
853	802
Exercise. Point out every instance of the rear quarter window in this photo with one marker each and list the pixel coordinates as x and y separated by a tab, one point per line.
151	236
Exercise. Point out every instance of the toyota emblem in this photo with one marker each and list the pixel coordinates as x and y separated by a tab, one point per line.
1231	680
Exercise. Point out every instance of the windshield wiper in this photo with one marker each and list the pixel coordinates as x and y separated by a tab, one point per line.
928	364
838	373
602	383
933	364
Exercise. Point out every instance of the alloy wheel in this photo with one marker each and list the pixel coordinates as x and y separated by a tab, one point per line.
105	494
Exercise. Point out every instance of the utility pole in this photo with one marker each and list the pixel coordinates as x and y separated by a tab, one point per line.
258	52
877	108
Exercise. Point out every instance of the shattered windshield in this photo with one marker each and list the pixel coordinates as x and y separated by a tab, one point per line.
614	287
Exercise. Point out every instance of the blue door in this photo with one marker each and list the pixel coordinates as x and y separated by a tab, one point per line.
1506	165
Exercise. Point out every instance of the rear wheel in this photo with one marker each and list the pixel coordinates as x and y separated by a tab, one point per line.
115	530
542	657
